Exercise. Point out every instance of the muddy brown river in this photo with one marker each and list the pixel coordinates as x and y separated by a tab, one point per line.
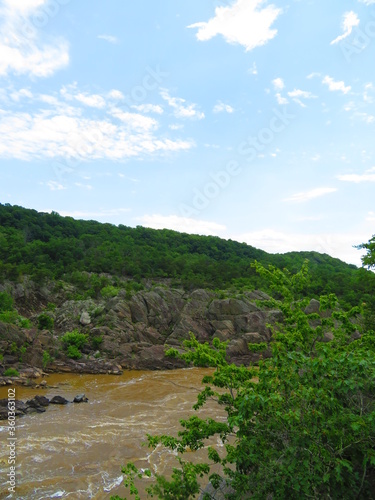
76	451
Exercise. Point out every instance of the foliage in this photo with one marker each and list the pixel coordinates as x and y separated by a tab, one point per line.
73	352
97	341
45	322
74	338
368	259
109	291
10	317
22	352
84	253
302	425
11	372
6	302
46	360
51	306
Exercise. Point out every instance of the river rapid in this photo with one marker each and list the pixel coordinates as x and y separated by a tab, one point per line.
76	451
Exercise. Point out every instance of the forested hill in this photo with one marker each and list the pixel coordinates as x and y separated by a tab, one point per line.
46	245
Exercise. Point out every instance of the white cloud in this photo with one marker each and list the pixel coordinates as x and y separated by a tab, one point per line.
370	217
62	130
22	50
253	70
109	38
339	245
70	93
310	195
221	107
368	176
116	95
281	100
55	186
181	110
88	187
181	224
335	86
298	94
278	84
350	21
115	212
245	22
367	2
149	108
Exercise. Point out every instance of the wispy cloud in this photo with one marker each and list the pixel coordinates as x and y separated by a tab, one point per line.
310	195
367	176
220	107
181	224
109	38
335	86
148	108
298	94
22	50
278	84
245	23
66	126
181	109
55	186
350	21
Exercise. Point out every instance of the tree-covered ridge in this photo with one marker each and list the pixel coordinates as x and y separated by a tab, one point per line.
46	245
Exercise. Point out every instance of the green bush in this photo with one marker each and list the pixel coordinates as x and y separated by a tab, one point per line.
51	306
96	341
45	322
74	338
11	372
24	322
47	359
73	352
6	302
109	291
10	317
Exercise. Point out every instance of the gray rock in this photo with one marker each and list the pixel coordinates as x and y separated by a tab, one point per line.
81	398
313	307
85	319
58	400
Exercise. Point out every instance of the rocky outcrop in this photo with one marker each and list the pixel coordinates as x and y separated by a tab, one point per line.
133	331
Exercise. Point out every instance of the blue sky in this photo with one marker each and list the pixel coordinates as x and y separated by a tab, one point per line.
246	119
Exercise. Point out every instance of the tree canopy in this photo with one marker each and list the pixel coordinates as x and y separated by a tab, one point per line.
45	245
301	425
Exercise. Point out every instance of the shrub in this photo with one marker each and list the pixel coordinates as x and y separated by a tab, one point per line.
45	322
22	352
10	317
96	341
47	359
11	372
51	306
74	338
24	322
6	302
73	352
109	291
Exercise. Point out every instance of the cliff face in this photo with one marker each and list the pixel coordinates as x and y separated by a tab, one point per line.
131	331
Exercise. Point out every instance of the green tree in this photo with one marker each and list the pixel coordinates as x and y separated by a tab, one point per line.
45	322
302	425
368	259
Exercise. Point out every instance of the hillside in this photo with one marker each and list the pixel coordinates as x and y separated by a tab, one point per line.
42	246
